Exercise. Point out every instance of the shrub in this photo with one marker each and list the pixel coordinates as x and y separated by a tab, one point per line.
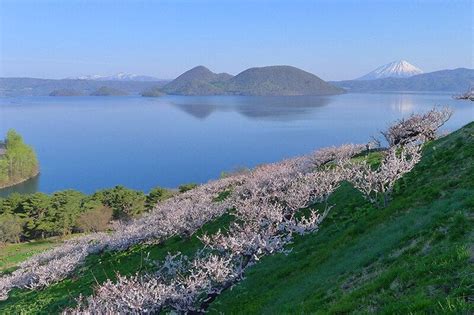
95	220
125	203
156	195
185	187
10	228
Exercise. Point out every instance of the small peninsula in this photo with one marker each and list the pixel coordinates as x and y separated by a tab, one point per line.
18	161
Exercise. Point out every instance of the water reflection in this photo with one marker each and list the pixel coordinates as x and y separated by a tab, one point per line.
403	103
200	111
260	108
142	143
28	187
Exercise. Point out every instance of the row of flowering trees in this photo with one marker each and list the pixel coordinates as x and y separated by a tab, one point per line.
266	203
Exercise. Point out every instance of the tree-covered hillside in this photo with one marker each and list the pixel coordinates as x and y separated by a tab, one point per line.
198	81
263	81
29	217
279	80
18	160
108	91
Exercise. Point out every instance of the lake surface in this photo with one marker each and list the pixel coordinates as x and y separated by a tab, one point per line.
89	143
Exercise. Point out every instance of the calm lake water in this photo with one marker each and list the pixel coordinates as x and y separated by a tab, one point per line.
89	143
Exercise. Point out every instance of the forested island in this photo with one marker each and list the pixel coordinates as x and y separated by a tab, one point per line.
66	92
260	81
153	92
18	160
108	91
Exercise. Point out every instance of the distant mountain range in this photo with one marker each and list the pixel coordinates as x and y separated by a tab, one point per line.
69	87
396	69
456	80
263	81
121	76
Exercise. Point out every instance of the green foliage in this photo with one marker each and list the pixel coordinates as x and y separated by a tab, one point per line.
156	195
4	170
125	203
95	220
70	211
65	209
185	187
19	161
10	228
35	211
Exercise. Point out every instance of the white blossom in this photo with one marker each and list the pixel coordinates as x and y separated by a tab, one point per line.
417	128
266	202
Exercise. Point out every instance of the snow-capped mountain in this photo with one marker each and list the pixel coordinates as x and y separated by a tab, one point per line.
396	69
121	76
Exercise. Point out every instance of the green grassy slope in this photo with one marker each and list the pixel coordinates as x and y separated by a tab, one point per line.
12	254
99	268
416	255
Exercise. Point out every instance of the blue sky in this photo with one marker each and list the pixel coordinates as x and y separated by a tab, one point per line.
332	39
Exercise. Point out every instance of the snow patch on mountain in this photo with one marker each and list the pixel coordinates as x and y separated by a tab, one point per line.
121	76
396	69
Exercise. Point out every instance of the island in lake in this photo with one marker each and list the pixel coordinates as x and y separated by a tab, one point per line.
108	91
153	92
261	81
18	161
66	92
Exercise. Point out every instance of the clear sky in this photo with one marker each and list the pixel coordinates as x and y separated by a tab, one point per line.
333	39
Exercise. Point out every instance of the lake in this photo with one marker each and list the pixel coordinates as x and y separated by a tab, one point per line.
89	143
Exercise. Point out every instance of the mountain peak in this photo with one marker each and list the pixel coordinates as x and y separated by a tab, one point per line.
200	68
197	81
262	81
396	69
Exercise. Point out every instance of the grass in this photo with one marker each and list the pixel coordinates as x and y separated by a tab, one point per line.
99	268
12	254
414	256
